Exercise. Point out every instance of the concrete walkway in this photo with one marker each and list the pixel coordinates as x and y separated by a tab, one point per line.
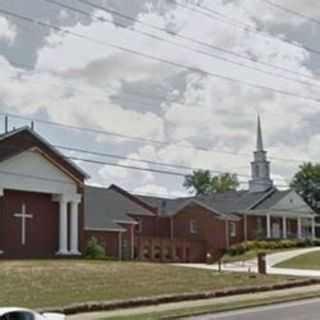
272	260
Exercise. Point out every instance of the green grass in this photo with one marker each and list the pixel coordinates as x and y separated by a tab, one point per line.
47	283
310	261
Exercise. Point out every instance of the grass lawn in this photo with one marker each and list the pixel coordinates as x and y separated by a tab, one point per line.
309	261
45	283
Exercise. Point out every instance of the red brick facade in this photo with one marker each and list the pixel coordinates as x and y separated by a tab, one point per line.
39	236
168	239
41	230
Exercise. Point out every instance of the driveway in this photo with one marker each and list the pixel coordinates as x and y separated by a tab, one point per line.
272	260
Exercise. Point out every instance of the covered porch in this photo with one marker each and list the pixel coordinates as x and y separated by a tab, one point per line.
276	225
284	227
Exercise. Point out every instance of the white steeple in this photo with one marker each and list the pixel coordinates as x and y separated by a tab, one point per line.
259	136
260	167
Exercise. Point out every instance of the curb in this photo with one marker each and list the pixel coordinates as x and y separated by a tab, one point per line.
95	306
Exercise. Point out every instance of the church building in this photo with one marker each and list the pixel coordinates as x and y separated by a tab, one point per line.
47	210
40	198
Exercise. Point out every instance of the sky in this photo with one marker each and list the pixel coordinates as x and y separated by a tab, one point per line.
164	75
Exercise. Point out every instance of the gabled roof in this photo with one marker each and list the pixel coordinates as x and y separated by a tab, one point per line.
165	206
271	200
107	209
9	149
226	203
232	202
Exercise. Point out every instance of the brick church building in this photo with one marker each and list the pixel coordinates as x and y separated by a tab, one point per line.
47	210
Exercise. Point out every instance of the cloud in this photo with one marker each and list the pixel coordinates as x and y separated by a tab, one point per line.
127	177
73	103
273	15
7	30
208	122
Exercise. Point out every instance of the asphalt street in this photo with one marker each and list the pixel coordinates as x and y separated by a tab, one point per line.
302	310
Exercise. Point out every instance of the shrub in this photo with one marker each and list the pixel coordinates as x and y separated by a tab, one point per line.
288	244
243	247
94	250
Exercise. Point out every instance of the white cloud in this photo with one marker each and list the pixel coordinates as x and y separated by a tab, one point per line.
7	30
274	15
216	114
127	177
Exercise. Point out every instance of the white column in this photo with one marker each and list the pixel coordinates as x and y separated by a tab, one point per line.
313	228
63	228
299	228
74	228
132	241
1	192
284	227
268	226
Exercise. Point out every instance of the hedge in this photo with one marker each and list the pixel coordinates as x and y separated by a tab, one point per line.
241	248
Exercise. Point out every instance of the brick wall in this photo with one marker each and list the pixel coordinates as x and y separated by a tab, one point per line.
42	232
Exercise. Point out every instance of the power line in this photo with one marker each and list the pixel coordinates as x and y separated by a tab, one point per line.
158	99
159	59
124	166
22	175
4	172
240	25
138	139
131	93
177	35
290	11
119	157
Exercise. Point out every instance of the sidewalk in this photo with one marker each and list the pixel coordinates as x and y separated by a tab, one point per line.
196	303
272	259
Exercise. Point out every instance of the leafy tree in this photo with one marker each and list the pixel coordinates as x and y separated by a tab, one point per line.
202	182
199	180
225	182
306	182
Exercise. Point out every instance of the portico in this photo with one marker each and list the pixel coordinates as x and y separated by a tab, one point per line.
279	229
66	203
40	197
289	226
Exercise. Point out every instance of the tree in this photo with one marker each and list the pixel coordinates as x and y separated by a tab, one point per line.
202	182
306	182
225	182
199	180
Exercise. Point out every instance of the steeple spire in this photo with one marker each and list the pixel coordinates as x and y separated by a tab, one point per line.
260	167
259	135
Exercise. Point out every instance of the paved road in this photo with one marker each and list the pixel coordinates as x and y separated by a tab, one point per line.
304	310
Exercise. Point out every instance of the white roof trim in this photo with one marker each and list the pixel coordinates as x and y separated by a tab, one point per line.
280	213
106	229
125	222
44	141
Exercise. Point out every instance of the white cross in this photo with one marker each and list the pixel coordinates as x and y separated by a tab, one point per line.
24	216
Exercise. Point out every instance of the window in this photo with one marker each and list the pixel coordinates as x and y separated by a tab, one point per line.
233	229
193	227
